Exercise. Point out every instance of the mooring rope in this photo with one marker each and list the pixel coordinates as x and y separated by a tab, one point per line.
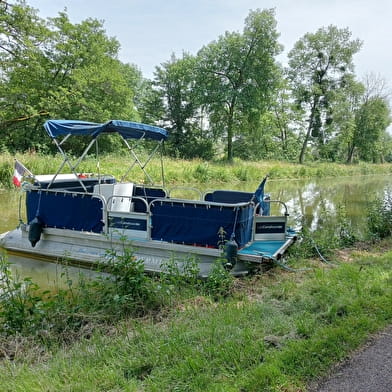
322	258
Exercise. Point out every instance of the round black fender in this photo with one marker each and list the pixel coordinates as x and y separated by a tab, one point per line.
231	252
35	230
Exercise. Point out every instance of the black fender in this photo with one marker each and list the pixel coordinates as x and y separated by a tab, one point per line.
35	229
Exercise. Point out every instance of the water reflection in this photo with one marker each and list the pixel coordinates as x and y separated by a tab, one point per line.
315	203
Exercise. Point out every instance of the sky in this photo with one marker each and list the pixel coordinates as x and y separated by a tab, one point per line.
149	31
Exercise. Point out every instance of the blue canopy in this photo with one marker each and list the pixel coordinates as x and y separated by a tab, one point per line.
126	129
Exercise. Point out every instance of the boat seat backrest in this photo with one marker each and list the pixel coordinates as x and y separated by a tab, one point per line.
122	197
118	196
105	190
148	194
229	197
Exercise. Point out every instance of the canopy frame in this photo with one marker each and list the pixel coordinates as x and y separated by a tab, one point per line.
156	134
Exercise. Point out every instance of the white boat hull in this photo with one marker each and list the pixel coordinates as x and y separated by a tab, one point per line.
88	249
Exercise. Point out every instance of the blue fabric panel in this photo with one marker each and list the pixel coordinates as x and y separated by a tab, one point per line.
230	197
244	228
126	129
260	197
65	210
191	223
208	196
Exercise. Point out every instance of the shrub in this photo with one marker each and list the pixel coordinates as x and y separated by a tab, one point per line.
219	283
21	306
379	216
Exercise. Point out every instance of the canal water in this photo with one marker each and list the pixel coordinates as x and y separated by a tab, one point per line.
311	203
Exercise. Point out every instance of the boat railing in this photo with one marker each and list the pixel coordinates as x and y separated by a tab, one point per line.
283	204
200	202
268	227
124	203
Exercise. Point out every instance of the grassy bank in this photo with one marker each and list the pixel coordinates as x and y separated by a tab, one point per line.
276	332
194	172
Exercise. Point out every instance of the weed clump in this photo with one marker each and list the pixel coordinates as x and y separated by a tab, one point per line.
379	216
120	290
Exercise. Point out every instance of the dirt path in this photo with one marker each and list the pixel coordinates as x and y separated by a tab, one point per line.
368	370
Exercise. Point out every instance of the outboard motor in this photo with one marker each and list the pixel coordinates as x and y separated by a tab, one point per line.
231	253
35	230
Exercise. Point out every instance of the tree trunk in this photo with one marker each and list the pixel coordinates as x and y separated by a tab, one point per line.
230	121
305	143
350	155
311	120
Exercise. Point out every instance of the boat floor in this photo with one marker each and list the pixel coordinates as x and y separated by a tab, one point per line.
265	248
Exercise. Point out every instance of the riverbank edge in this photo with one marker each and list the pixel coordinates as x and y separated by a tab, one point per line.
193	172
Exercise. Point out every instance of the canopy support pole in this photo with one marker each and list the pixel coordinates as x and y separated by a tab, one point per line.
138	161
68	162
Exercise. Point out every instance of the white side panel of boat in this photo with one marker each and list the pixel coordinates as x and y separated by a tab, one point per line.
86	249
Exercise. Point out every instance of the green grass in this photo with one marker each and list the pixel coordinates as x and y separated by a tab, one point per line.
277	332
193	172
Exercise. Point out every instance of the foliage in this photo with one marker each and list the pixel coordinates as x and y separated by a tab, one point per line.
321	244
124	288
219	283
231	99
192	172
60	70
379	216
119	289
21	306
177	90
180	274
237	73
281	330
319	65
372	120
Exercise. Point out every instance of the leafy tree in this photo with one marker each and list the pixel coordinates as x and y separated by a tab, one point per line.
177	88
237	74
22	64
371	119
62	70
341	128
386	147
319	65
286	119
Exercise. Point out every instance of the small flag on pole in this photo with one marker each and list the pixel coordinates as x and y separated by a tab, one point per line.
19	172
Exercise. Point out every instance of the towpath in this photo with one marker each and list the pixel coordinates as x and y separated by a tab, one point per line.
368	370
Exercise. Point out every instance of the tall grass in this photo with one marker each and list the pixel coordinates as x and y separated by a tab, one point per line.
179	171
120	290
275	333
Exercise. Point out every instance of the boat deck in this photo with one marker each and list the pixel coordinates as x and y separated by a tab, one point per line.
265	248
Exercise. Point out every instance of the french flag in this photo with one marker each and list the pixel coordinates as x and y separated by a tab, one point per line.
19	172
